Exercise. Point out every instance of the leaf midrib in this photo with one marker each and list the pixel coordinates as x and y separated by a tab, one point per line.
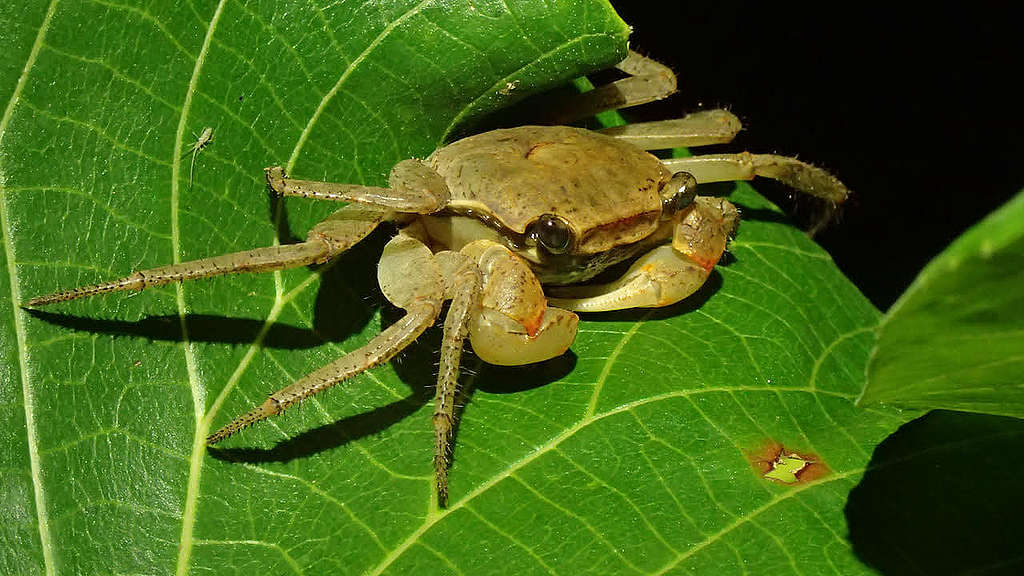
45	539
195	386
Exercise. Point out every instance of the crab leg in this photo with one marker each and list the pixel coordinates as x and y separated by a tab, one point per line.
414	187
462	282
379	350
697	129
648	81
338	233
745	166
410	278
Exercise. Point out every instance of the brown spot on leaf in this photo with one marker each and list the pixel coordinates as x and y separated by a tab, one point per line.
777	463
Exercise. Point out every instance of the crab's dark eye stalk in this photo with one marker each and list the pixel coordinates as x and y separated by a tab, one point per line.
552	233
678	193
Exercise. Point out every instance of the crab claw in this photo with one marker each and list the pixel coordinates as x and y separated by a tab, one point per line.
514	324
666	274
497	339
704	230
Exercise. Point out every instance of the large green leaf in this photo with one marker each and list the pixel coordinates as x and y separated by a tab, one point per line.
955	339
644	449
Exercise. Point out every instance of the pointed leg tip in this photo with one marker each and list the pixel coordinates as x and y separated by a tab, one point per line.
38	302
275	179
218	436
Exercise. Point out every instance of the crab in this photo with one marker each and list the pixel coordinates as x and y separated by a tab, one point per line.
511	226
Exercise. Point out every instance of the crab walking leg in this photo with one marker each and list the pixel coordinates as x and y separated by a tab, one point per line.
379	350
666	274
462	282
697	129
257	260
648	80
745	166
413	187
410	279
336	234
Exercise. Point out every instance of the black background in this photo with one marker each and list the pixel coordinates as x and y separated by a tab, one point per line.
914	110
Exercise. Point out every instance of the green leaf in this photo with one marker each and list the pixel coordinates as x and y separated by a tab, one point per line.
644	449
955	339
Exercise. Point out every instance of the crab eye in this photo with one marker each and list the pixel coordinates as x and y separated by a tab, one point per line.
678	193
553	233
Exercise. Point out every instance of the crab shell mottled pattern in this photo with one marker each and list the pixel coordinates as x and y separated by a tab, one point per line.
607	191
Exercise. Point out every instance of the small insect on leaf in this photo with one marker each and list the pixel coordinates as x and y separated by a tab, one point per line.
202	141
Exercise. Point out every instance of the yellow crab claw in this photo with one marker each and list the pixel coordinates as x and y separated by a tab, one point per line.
498	339
514	324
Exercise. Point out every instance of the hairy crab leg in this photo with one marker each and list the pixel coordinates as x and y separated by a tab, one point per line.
257	260
462	283
414	187
798	175
410	278
697	129
376	352
648	80
339	232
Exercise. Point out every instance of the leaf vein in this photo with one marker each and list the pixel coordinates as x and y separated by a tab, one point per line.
435	517
586	524
198	390
28	398
530	551
345	75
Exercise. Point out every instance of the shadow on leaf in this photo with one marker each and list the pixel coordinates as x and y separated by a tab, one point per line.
202	328
942	496
328	436
345	302
512	379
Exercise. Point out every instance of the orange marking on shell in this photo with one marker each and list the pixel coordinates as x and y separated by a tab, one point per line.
706	264
533	325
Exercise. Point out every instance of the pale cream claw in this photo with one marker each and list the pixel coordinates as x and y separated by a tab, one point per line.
408	272
705	228
666	274
514	326
499	340
661	277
